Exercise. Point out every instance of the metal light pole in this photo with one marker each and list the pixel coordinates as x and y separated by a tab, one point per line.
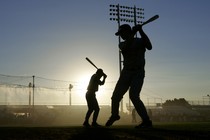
125	14
70	87
33	86
29	87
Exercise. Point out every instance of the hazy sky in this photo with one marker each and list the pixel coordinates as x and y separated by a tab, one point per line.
51	38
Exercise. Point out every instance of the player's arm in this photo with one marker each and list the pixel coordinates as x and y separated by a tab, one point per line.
146	41
103	80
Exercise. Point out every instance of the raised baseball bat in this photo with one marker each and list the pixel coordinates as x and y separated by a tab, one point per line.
150	20
91	62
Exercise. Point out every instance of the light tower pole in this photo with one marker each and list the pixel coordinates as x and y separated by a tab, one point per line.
70	87
33	86
125	14
29	87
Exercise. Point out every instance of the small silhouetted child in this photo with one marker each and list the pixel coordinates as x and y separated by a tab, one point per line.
92	102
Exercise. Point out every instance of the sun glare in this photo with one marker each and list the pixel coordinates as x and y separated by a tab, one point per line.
82	84
103	95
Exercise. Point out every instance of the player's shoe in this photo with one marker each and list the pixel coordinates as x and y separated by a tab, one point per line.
95	124
145	124
112	119
86	124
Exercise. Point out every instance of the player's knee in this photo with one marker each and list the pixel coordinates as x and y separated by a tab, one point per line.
97	109
115	99
134	98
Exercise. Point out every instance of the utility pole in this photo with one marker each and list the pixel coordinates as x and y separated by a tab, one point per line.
29	87
70	87
125	14
33	85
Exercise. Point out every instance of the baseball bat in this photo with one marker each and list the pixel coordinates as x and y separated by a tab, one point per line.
91	62
150	20
146	22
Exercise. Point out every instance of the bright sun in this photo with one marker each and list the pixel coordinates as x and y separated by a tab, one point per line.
80	89
82	84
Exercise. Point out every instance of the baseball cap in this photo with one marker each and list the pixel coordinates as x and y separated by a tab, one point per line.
123	28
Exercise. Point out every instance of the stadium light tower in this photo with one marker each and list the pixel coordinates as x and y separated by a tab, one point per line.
125	14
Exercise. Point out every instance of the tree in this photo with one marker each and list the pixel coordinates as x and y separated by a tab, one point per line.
177	102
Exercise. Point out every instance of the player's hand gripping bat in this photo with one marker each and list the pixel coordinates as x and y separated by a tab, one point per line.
139	26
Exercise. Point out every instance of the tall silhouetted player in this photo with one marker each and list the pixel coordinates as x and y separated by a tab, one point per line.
92	102
132	75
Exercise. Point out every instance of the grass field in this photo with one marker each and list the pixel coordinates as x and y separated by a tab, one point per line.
165	131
